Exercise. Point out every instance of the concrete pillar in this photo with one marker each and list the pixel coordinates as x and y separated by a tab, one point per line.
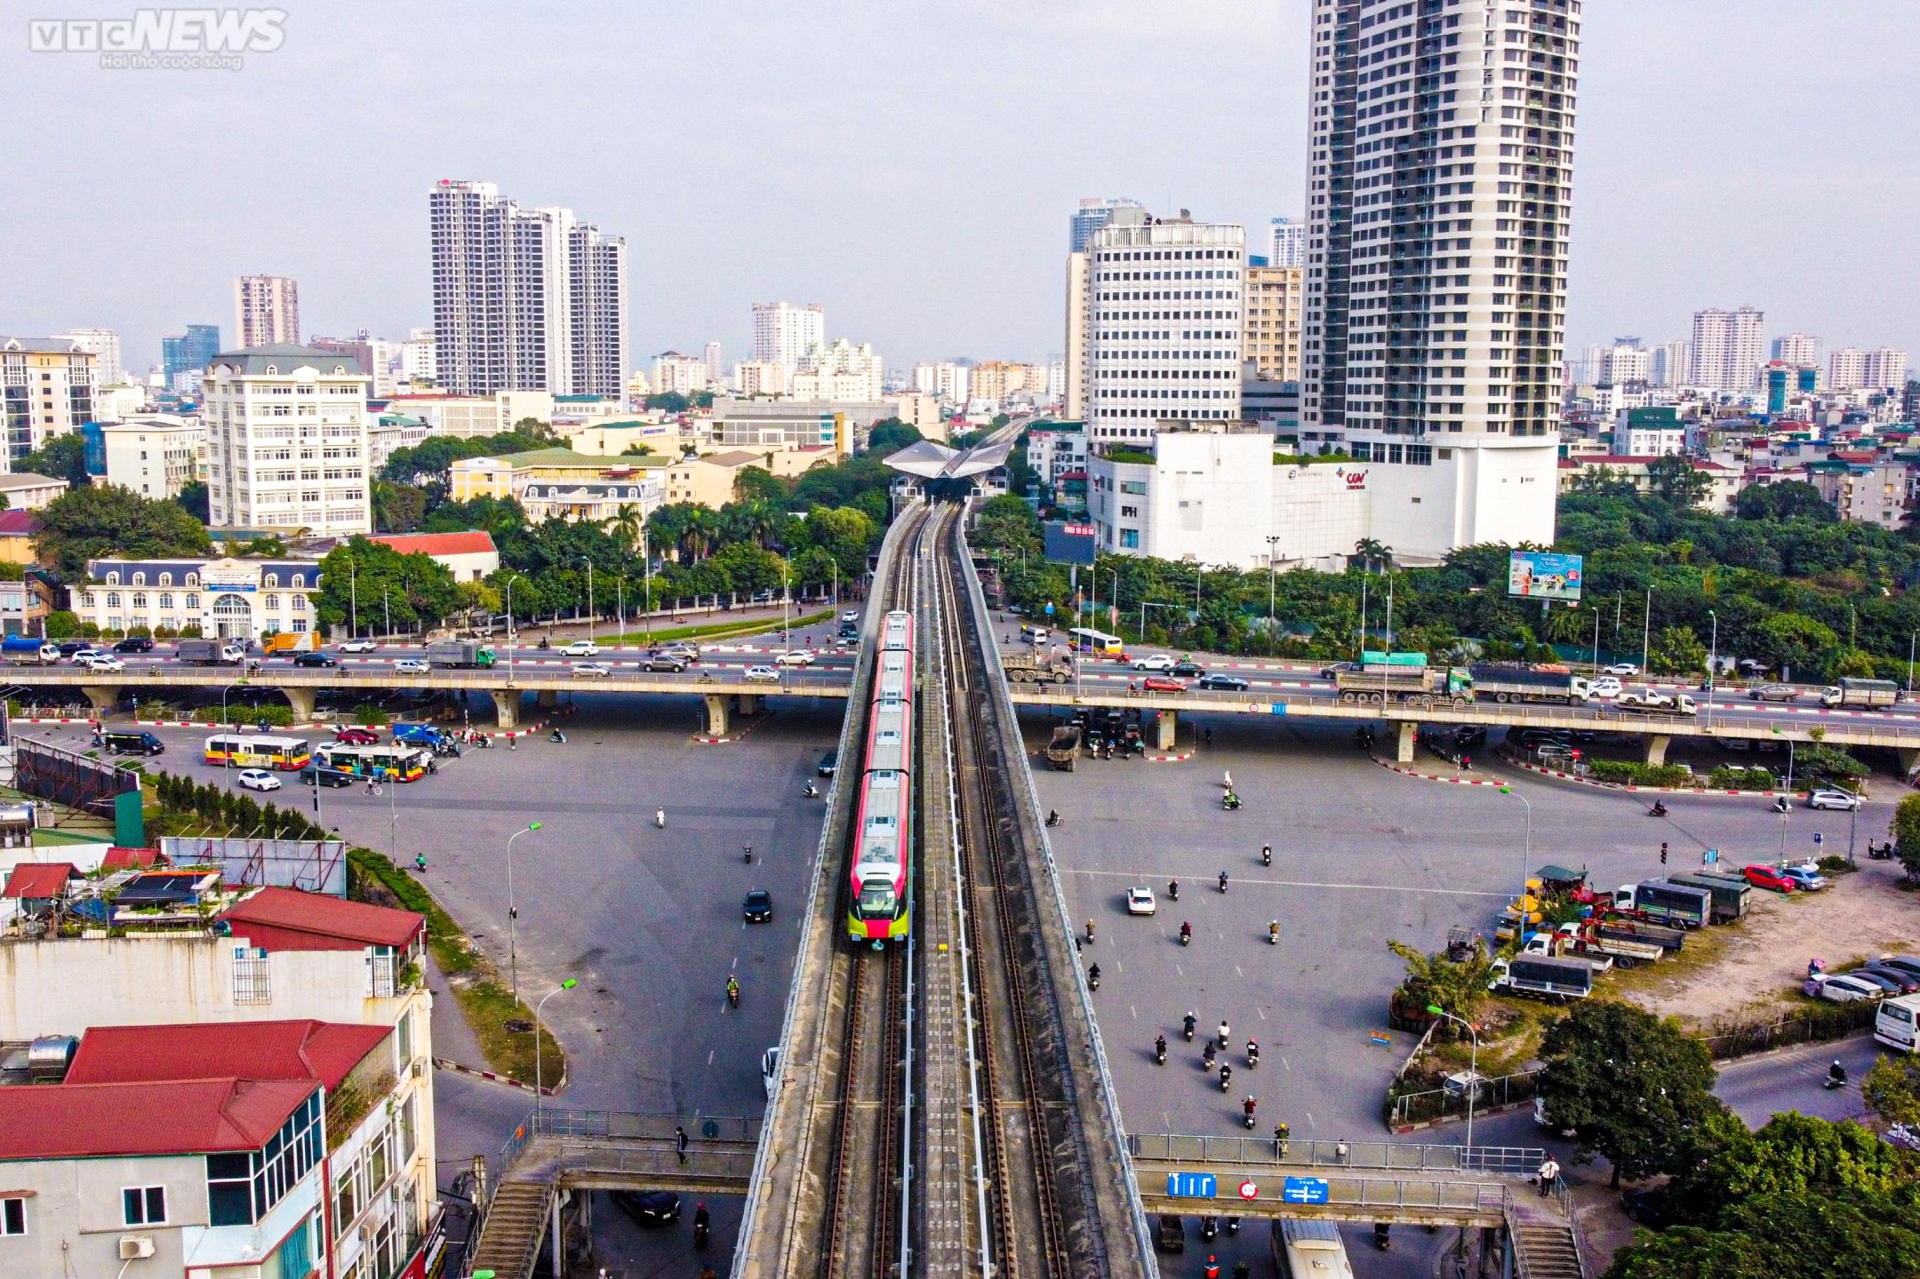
716	714
1409	732
1657	748
547	698
749	703
559	1252
301	699
102	698
1908	757
506	706
1168	726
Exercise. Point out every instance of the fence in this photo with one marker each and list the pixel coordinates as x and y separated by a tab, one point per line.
1425	1107
1836	1022
1315	1153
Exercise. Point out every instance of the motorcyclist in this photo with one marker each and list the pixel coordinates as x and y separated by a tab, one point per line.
702	1225
1836	1075
1089	932
1273	932
1053	817
1093	977
1659	809
1282	1134
1160	1048
1173	890
1253	1053
1188	1023
813	791
1780	805
660	818
419	861
1247	1108
1224	1032
1206	1055
733	990
1223	881
1226	1076
1266	854
1186	932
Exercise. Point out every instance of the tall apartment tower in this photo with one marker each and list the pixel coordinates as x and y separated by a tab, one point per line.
1274	302
1672	363
787	334
1726	348
266	310
1165	304
105	346
1802	350
1625	361
1288	244
1439	187
597	265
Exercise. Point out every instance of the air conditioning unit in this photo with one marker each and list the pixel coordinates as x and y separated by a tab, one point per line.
419	1067
135	1247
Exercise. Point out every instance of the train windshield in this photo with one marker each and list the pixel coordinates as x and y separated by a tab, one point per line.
877	899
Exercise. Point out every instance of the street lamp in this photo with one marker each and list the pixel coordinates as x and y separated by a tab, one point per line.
589	599
1271	541
1713	655
512	643
513	915
1473	1067
1526	860
570	983
1910	639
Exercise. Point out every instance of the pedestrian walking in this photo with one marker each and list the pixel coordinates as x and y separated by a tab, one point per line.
1549	1171
680	1142
1226	779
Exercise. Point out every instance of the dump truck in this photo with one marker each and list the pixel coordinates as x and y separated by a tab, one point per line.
1542	977
26	650
1404	678
1034	666
1528	684
1729	894
1064	748
459	654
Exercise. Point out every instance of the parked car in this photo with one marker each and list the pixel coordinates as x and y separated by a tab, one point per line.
1621	668
1905	963
794	657
1603	688
134	644
581	648
411	666
1904	982
359	646
1140	900
315	659
1845	988
648	1207
99	662
762	675
1154	662
1768	877
593	670
1647	1207
354	735
1224	683
1187	670
1161	684
1837	799
83	653
829	764
664	662
256	779
757	908
1773	693
1807	881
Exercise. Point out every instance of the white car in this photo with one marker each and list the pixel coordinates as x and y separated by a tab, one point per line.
763	675
852	615
256	779
1155	662
99	662
1621	668
1833	799
1842	989
581	648
81	655
1140	900
411	666
1604	688
794	657
599	670
359	646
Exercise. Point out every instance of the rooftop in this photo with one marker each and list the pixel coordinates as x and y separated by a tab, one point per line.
553	457
285	357
72	1121
26	480
320	1051
39	879
18	524
471	543
288	919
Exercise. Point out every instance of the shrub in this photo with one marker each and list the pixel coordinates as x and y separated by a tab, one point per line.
367	715
191	631
1626	772
1728	777
271	714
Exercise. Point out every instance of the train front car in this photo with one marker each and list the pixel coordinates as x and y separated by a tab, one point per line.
882	877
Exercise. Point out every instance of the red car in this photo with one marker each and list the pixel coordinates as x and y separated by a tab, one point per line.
1161	684
1768	877
356	737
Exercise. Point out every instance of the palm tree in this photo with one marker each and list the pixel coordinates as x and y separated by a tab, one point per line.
626	526
1373	554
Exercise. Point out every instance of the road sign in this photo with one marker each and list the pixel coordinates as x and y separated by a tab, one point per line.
1190	1185
1248	1190
1279	708
1304	1190
1049	610
1816	839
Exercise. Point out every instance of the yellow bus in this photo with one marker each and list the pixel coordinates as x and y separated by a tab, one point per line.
258	750
387	762
1087	640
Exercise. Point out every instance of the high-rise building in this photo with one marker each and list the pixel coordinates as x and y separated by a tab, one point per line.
1439	184
1846	368
1288	246
266	310
1274	302
1886	369
1093	213
786	334
1798	349
677	374
287	441
716	367
843	371
1079	299
1625	361
524	299
47	386
1726	348
105	345
187	355
1164	314
418	363
1672	363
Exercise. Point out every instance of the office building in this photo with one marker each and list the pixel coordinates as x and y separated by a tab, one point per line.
47	388
1163	330
1287	243
1275	300
105	346
185	357
1079	300
842	371
559	483
784	333
266	310
1726	349
1093	213
716	367
1440	185
287	441
1672	363
154	456
1798	349
524	299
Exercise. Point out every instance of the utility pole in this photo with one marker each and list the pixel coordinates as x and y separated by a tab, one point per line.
1646	632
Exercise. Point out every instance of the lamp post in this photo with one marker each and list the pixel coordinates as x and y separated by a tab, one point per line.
512	643
1910	638
513	913
227	765
353	599
570	983
1646	638
589	599
646	581
1713	656
1473	1067
1526	860
1271	541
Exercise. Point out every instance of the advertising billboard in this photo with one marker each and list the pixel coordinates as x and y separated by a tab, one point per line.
1543	575
1068	542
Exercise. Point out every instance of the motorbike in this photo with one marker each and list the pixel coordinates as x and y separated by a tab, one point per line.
1233	1225
660	818
1160	1051
1836	1077
746	853
1206	1056
1186	937
1253	1054
1226	1077
557	736
1223	881
1266	855
1093	978
812	791
1223	1036
1780	805
1249	1117
1173	890
1273	932
545	642
702	1226
1209	1228
733	994
1089	932
1187	1025
1658	810
1053	817
1380	1238
1880	854
1230	802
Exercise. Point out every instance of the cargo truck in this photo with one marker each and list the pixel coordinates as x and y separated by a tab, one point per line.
1639	930
1557	980
1589	940
207	652
1861	694
1033	666
1523	684
1064	748
292	642
1405	678
1729	894
25	650
459	654
1661	901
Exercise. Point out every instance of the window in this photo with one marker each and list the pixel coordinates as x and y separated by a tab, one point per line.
13	1216
139	579
1130	538
242	1188
113	599
144	1205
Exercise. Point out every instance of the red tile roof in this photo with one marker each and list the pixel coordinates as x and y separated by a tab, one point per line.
119	858
287	919
18	524
307	1049
39	879
72	1121
439	543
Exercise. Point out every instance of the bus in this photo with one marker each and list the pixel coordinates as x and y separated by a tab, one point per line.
1309	1248
1087	640
395	762
258	750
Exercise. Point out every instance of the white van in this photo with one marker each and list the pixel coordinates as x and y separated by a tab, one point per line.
1897	1025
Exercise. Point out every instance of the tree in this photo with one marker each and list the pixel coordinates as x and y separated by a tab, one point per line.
398	508
90	523
1676	650
889	435
413	591
1788	500
1795	1236
1792	1154
1674	478
1906	834
757	484
667	402
56	458
1373	555
194	499
1633	1086
1892	1088
1793	641
1458	986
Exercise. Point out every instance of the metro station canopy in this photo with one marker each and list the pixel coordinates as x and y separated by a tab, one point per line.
932	461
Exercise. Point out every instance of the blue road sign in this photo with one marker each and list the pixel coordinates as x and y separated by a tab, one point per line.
1304	1190
1279	708
1190	1185
1816	837
1049	610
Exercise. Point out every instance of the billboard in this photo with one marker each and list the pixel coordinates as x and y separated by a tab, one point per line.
1543	575
1067	542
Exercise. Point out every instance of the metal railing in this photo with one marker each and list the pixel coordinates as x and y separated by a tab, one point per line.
1384	1155
1440	1103
633	1125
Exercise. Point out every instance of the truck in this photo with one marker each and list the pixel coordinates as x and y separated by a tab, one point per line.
1589	940
1662	901
1651	701
1528	684
1541	976
1729	893
1639	930
207	652
460	654
25	650
1064	748
1861	694
292	642
1405	678
1034	666
418	735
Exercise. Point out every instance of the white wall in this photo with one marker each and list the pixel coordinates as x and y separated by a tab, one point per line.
1319	512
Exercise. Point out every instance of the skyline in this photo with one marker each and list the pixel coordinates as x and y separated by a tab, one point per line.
890	198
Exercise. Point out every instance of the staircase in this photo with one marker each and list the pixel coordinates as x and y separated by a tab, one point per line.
510	1237
1544	1248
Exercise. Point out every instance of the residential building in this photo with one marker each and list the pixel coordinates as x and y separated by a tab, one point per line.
597	308
1164	323
677	374
1055	448
154	456
419	363
119	402
1648	432
784	333
25	491
388	433
266	311
1436	262
1886	369
999	381
922	413
842	371
47	387
950	380
1726	348
560	482
1797	349
716	367
1274	406
18	531
184	358
760	377
105	346
1846	369
1287	243
1094	212
1849	369
224	598
287	441
1672	364
711	479
613	437
1865	489
470	557
466	416
1625	361
1275	298
1724	482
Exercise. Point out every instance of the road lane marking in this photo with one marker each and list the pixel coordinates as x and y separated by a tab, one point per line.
1307	883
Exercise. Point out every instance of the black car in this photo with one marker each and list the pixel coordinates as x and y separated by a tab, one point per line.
648	1207
314	659
1338	668
315	775
1647	1207
1907	981
1186	670
1223	683
758	906
134	644
664	662
829	764
69	647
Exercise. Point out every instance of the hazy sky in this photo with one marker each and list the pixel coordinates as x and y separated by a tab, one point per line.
911	166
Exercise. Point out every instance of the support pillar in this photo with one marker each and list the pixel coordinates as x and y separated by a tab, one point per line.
1167	726
749	703
559	1251
1409	733
103	698
547	698
506	706
301	700
1657	748
716	714
1909	759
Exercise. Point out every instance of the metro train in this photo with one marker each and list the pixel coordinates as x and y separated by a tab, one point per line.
880	901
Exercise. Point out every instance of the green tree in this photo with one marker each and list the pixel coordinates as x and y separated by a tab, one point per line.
1676	650
1675	478
1787	500
1634	1087
1792	1154
1793	1236
398	508
1892	1088
56	458
194	499
1459	986
1792	641
1373	555
1853	662
413	591
757	484
90	523
889	435
1906	834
